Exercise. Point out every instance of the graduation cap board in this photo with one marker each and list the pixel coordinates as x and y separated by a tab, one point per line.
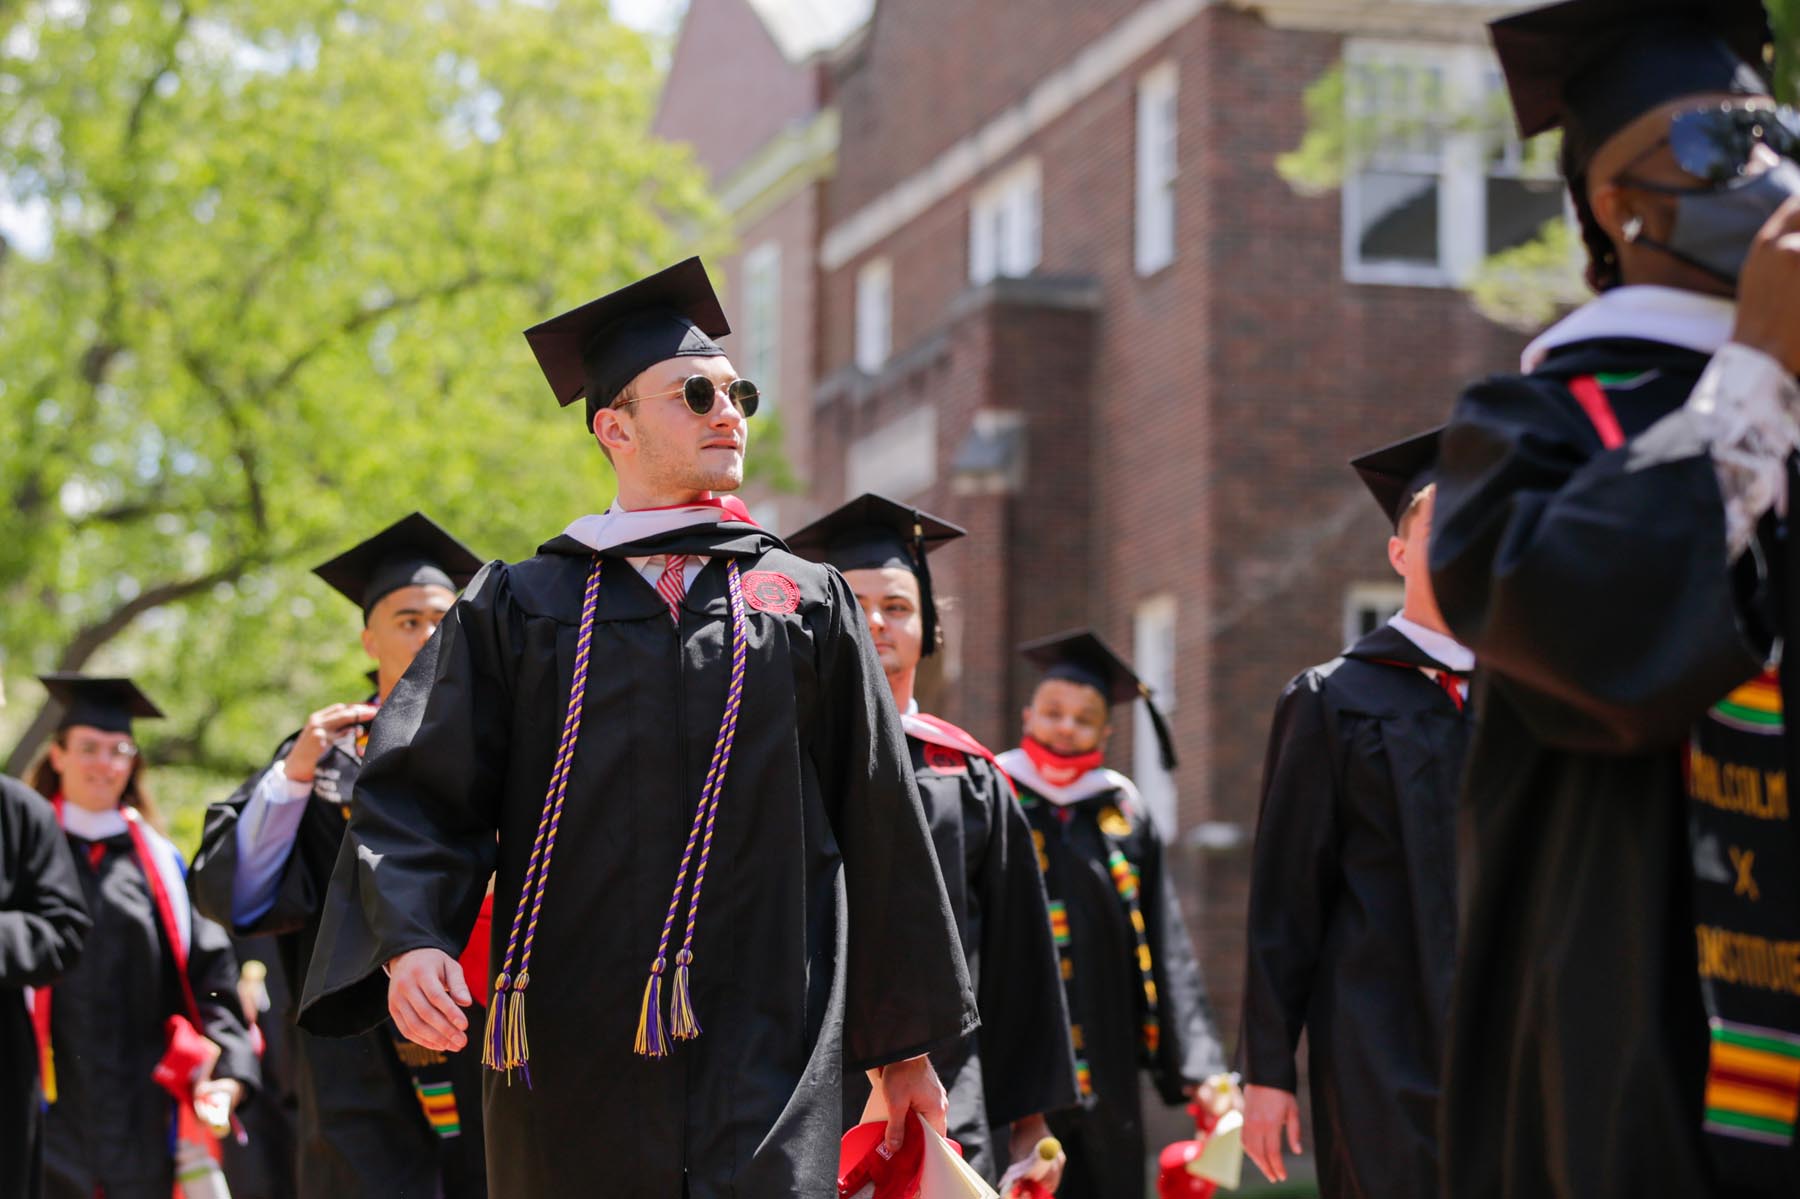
596	349
1592	67
1397	473
872	532
107	704
413	551
1080	656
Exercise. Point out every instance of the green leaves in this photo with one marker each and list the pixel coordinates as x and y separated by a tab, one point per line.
291	245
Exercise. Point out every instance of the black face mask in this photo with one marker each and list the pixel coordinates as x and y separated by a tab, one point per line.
1716	224
1715	227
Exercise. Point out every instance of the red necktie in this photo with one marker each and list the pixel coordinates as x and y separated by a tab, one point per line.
1453	687
673	584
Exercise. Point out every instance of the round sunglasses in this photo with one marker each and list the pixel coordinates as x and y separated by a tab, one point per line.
1716	144
698	392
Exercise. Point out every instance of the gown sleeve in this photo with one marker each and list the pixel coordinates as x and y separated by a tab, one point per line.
1592	584
1293	884
1189	1049
908	986
420	845
291	898
46	920
213	972
1028	1064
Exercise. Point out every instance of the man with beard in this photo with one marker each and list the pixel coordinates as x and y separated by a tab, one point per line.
716	887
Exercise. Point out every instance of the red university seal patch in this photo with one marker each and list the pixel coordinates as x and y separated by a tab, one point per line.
767	591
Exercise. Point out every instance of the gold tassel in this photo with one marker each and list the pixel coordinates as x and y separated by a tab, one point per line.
518	1045
490	1049
650	1039
681	1008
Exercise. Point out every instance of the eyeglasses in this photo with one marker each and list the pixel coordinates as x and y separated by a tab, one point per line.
1717	143
118	751
699	391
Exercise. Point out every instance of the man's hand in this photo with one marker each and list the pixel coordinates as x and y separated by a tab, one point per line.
426	995
1027	1134
322	728
907	1087
1769	290
215	1100
1267	1112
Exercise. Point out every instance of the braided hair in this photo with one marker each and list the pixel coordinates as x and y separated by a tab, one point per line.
1603	272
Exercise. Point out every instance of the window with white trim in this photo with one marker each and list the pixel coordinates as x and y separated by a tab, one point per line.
1153	657
1156	135
1368	606
1006	224
761	353
1435	179
874	315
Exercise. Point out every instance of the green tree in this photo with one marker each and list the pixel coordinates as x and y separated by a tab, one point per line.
287	250
1523	287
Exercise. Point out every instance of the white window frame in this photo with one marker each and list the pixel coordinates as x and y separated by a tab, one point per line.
1006	224
874	315
1362	600
762	318
1453	144
1154	656
1158	130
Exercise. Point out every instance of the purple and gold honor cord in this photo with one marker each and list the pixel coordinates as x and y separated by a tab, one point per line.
505	1045
652	1040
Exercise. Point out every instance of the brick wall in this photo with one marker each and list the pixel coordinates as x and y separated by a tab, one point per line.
1188	437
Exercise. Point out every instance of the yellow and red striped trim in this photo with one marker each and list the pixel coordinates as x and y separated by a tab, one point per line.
1753	1083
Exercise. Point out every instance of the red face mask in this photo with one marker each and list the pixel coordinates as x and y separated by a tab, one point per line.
1059	770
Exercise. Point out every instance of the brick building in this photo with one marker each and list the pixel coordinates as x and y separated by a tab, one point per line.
1060	295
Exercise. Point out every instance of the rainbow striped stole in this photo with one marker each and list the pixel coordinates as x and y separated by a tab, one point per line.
1753	1083
438	1099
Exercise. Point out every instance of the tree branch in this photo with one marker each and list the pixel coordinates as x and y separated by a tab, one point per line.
363	318
91	637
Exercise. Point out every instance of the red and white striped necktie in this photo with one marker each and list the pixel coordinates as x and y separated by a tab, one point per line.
673	584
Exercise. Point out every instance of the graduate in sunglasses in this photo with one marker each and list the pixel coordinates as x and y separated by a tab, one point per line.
1611	538
716	888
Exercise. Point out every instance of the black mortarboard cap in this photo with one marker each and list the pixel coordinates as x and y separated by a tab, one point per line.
596	349
1080	656
1397	473
108	704
1594	66
413	551
871	532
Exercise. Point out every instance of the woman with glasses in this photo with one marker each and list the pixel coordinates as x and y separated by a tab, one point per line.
150	1012
1610	538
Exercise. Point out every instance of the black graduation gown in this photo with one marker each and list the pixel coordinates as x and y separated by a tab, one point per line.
43	922
1592	586
1352	921
111	1125
1104	1135
360	1128
265	1166
1019	1064
819	832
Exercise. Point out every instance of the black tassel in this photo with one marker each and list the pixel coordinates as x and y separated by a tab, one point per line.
927	601
1165	737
